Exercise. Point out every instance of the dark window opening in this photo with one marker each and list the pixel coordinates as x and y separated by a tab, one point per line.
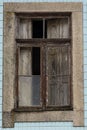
45	28
37	29
36	61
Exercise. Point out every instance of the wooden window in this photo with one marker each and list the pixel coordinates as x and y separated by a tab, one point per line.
43	49
44	62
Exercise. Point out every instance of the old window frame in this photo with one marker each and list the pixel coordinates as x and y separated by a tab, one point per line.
9	115
43	43
26	108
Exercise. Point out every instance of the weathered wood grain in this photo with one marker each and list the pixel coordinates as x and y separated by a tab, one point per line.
25	61
58	75
24	28
58	28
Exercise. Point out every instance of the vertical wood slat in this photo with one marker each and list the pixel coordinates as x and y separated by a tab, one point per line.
58	76
58	28
64	61
24	28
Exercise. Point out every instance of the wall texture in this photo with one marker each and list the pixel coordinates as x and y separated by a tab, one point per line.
47	125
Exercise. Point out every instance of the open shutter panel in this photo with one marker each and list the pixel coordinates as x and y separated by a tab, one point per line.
58	75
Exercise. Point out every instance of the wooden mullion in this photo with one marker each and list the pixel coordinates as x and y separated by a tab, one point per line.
71	73
43	28
70	64
43	78
17	77
70	26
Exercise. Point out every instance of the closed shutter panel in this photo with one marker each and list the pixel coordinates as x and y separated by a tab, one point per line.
24	29
58	28
58	75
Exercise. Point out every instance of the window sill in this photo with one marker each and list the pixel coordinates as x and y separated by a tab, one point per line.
39	109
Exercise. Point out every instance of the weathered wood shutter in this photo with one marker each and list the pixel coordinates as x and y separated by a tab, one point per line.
58	28
58	75
24	28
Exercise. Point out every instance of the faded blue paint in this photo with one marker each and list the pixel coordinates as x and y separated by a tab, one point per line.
48	125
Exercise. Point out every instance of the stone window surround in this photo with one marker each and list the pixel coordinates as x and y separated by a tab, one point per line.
9	51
